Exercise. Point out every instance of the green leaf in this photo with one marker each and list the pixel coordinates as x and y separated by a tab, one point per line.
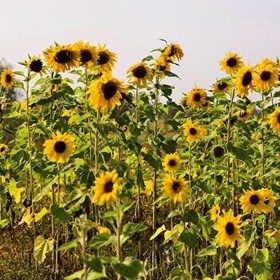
262	255
192	216
69	245
129	268
100	240
243	248
3	223
262	271
42	246
189	238
158	231
95	264
77	275
131	228
208	251
59	213
41	214
14	191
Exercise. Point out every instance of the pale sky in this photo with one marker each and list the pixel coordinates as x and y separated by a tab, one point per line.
205	29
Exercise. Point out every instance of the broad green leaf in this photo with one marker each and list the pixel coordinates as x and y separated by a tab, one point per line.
262	255
3	223
208	251
189	238
261	270
100	240
41	214
129	268
158	231
131	228
192	216
95	264
69	245
42	246
77	275
59	213
14	191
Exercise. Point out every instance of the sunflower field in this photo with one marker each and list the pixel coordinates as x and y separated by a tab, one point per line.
106	179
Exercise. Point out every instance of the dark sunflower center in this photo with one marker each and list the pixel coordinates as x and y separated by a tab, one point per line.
109	89
162	67
172	162
193	131
254	199
60	147
139	72
85	56
36	65
172	51
221	86
32	106
243	114
2	149
108	187
218	151
231	62
229	228
247	79
278	118
265	75
8	78
197	97
103	58
176	187
266	201
63	56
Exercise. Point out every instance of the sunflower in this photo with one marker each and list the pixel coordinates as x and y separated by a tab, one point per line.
193	131
106	59
62	58
60	148
106	93
221	86
275	120
6	106
184	102
243	114
176	189
106	188
35	64
269	199
229	230
7	78
244	80
33	106
171	162
149	188
252	200
139	74
218	151
215	212
196	97
3	149
162	64
174	52
231	63
88	54
266	77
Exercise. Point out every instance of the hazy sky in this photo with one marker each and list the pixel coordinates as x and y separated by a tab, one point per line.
205	29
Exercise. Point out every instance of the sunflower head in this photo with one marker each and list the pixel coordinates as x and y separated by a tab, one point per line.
218	151
7	78
274	119
221	86
174	52
252	200
184	102
215	212
243	114
196	97
88	54
149	188
244	80
105	59
269	199
193	131
171	162
4	149
162	64
35	64
139	74
231	63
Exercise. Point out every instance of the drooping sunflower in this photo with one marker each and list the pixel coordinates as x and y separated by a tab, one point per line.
171	162
7	78
88	54
229	230
266	77
244	80
106	188
62	58
221	86
106	59
176	189
174	52
106	93
35	64
269	199
275	120
196	97
194	132
215	212
252	200
60	148
139	74
162	64
3	149
231	63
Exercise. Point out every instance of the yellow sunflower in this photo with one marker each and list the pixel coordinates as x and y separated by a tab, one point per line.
174	52
88	54
231	63
221	86
196	97
7	78
4	149
269	199
184	102
33	106
275	120
6	106
229	230
106	59
162	64
149	188
244	80
215	212
60	148
106	188
171	162
252	200
193	131
176	189
106	93
62	58
243	114
35	64
139	74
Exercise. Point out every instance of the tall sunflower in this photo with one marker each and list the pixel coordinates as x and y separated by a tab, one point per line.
171	162
106	59
61	58
215	212
221	86
60	148
176	189
7	78
35	64
252	200
231	63
244	80
106	188
106	93
193	131
196	97
269	199
229	230
275	120
139	74
162	64
88	54
174	52
3	149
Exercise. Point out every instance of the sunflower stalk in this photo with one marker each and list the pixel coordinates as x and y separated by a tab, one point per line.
96	156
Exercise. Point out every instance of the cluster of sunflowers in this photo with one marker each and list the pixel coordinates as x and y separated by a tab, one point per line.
195	161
